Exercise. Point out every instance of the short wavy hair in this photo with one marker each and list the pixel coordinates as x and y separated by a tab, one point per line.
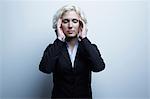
64	9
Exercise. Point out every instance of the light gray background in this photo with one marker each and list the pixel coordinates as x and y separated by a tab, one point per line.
118	27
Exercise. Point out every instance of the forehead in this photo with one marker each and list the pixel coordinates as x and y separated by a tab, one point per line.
70	15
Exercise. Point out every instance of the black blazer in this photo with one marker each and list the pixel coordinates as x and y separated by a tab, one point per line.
71	82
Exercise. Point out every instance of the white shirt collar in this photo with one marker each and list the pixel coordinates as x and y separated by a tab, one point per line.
73	53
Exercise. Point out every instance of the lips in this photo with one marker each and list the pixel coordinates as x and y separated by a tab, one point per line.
70	32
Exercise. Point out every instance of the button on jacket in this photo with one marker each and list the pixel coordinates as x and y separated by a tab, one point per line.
71	82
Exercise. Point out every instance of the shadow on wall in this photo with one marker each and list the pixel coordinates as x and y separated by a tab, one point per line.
45	86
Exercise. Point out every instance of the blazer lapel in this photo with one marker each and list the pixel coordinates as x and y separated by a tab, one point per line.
79	51
66	55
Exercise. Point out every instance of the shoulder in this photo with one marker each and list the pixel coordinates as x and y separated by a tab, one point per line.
48	47
94	45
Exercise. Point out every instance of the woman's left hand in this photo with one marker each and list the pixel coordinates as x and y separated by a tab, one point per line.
82	30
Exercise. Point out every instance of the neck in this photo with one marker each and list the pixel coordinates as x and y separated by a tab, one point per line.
71	41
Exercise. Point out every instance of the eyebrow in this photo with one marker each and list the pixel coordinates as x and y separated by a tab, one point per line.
70	19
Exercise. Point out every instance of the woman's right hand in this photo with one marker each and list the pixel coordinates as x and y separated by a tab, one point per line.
60	34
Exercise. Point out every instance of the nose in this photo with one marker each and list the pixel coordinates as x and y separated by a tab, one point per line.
70	25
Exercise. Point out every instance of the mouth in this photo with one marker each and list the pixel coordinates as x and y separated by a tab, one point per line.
70	32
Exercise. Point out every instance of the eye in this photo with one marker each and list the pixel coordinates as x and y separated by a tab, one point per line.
74	20
65	20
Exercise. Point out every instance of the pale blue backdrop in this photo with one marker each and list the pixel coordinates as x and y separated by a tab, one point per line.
118	27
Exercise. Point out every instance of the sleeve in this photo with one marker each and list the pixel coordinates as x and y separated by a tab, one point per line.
50	56
93	55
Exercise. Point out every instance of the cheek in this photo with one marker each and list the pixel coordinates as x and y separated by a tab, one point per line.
64	28
77	26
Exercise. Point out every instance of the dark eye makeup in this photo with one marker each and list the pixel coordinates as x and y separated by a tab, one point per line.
67	20
75	20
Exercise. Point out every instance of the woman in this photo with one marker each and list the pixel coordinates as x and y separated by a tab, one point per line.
72	57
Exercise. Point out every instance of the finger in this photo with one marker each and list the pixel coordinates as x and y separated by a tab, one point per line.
59	23
80	30
83	23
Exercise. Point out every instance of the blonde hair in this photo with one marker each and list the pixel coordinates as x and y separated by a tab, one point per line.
63	10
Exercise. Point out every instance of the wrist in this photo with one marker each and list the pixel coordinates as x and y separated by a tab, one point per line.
82	37
61	38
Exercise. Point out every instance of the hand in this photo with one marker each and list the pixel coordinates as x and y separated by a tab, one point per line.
82	30
60	34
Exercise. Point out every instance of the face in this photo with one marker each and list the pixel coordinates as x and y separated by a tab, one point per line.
70	24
